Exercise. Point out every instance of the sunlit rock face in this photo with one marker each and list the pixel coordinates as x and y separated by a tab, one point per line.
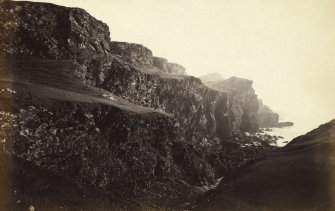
135	54
172	68
176	69
141	57
160	63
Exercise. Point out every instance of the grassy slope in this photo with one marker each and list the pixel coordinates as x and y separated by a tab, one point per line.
299	176
52	79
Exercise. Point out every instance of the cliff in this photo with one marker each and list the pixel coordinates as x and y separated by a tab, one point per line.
284	179
51	31
244	104
266	117
79	106
135	54
211	78
141	57
93	64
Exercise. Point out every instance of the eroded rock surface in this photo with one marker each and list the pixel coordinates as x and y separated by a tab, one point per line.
244	104
77	105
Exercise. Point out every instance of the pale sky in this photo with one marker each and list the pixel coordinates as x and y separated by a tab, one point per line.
287	47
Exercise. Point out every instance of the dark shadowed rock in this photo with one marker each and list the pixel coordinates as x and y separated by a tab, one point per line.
285	124
300	176
76	105
194	104
243	102
51	31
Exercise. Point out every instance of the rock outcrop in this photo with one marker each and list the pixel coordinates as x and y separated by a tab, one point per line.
284	179
135	54
162	65
100	140
51	31
205	107
284	124
244	103
266	117
211	78
176	69
77	105
141	57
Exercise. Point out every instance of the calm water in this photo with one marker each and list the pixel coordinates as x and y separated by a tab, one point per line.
302	125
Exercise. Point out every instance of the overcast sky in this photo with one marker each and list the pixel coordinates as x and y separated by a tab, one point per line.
287	47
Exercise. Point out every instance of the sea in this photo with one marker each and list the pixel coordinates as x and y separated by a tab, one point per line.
302	125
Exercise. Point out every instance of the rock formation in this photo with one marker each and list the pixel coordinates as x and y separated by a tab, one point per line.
266	117
245	97
211	78
141	57
76	105
135	54
244	103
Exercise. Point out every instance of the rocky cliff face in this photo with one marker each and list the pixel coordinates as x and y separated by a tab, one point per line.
244	104
203	113
141	57
266	117
51	31
77	105
135	54
249	111
176	69
93	66
96	138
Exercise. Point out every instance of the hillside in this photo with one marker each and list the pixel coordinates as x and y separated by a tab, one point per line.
299	176
110	117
